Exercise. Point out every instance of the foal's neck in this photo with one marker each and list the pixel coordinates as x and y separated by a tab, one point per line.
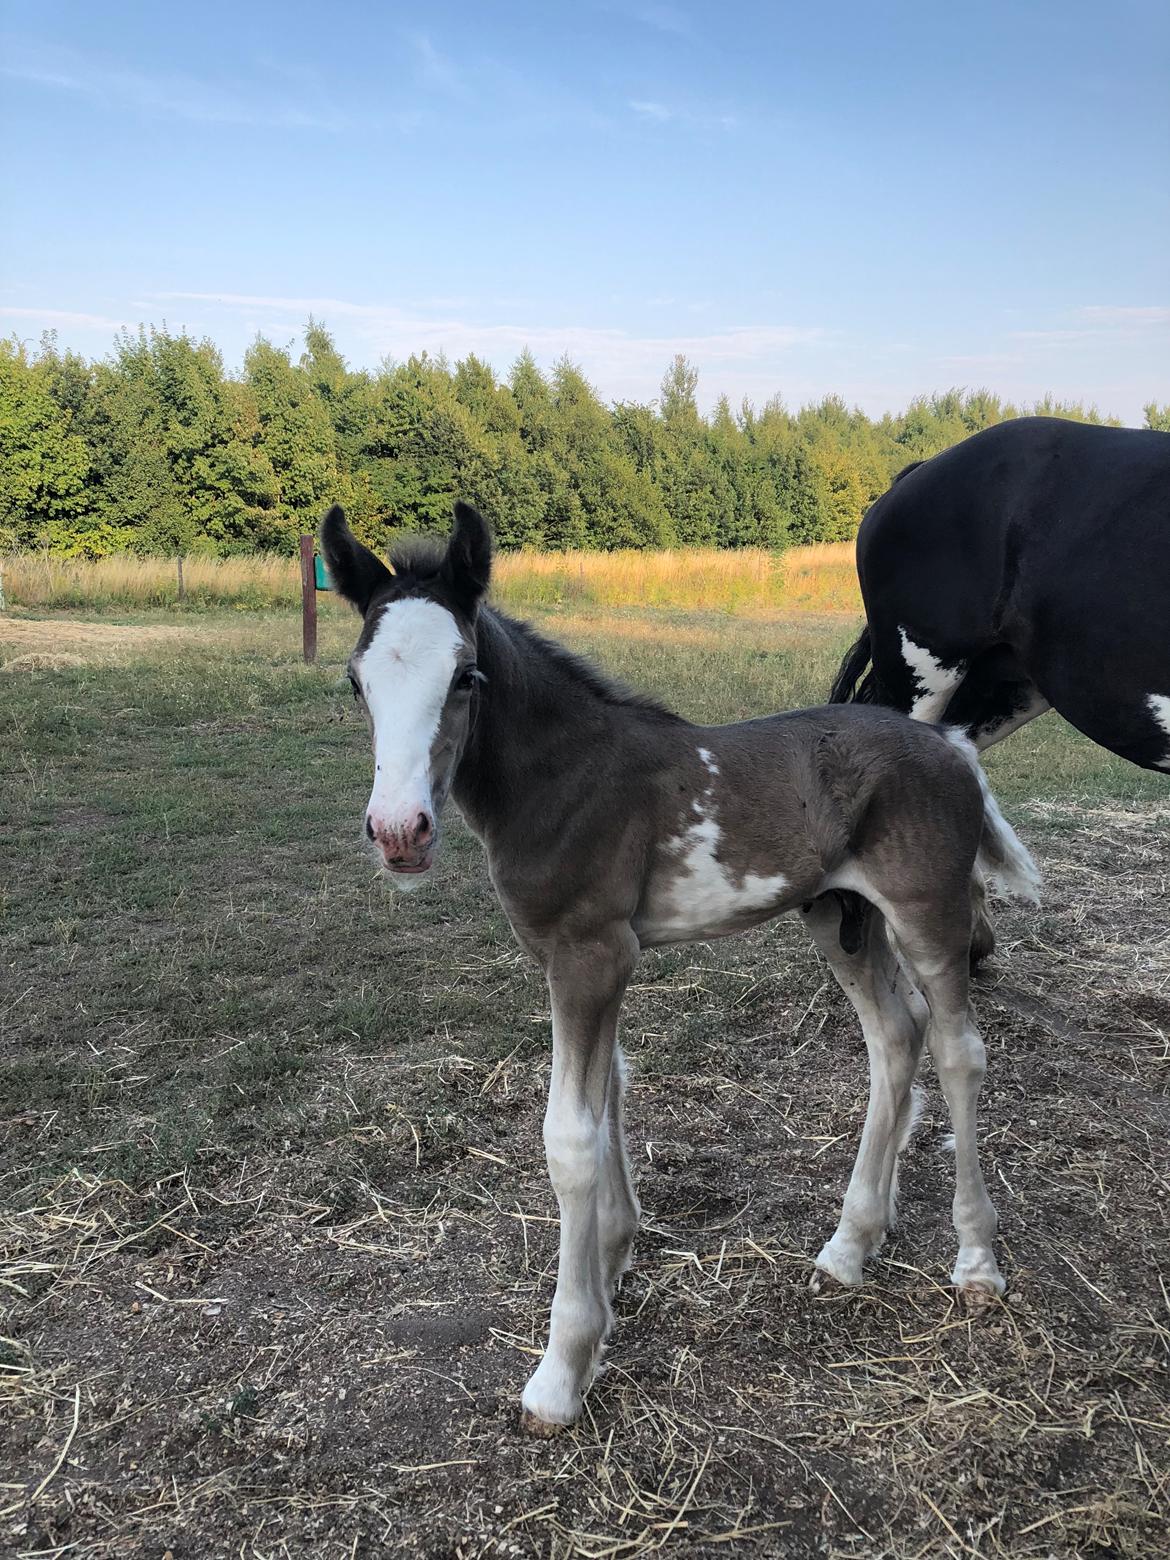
537	718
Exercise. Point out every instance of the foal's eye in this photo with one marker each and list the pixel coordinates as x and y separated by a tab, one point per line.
466	680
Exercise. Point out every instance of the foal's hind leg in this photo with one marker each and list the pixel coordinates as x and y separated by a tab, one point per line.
938	954
886	1004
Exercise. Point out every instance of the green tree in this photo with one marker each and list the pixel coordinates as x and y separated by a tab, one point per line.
295	435
174	444
157	447
600	498
43	465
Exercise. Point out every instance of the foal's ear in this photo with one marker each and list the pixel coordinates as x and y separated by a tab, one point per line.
467	563
354	570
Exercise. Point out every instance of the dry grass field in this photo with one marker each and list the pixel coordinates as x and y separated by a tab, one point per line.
819	578
276	1242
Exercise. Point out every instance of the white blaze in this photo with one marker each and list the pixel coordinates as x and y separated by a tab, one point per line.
405	674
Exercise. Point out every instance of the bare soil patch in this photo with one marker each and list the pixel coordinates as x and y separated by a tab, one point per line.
273	1360
277	1244
54	644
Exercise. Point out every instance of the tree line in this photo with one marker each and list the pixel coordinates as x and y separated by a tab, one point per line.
158	449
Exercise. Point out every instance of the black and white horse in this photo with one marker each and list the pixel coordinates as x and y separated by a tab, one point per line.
612	825
1025	569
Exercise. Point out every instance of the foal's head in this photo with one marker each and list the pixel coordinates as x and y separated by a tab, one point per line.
414	673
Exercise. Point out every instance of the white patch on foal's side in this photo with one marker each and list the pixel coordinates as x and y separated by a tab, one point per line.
405	674
935	681
1160	709
703	898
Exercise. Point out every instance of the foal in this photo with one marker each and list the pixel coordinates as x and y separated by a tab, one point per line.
612	825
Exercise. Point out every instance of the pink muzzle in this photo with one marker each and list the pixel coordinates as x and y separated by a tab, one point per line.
406	843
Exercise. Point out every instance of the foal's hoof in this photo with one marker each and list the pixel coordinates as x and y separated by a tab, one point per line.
837	1268
977	1279
822	1283
544	1428
551	1402
978	1298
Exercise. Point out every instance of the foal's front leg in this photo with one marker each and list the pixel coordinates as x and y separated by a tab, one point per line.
587	980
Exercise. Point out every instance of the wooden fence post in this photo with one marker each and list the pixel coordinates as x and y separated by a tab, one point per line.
182	585
308	600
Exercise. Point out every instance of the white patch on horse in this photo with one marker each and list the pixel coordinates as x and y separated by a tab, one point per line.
704	898
405	674
709	763
1034	705
935	681
1160	709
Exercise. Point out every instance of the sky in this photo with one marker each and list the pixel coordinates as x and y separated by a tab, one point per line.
873	198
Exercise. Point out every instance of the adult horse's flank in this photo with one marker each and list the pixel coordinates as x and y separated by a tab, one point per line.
1025	569
612	825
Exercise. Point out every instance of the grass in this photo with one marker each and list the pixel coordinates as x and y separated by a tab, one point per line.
128	582
819	578
277	1237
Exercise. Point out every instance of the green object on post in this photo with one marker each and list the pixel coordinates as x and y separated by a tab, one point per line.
321	579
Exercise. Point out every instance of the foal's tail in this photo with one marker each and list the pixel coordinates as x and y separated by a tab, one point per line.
1002	858
855	682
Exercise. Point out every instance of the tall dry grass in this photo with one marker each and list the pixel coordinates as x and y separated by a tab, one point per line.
806	579
128	582
819	578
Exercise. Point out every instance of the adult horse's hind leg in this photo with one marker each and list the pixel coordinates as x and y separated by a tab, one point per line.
937	951
587	980
892	1020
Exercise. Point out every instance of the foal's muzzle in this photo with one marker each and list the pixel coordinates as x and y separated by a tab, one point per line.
406	845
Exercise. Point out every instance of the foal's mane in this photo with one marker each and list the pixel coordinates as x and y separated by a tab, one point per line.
529	641
416	560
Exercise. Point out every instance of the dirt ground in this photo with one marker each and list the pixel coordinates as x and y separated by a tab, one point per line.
278	1247
256	1373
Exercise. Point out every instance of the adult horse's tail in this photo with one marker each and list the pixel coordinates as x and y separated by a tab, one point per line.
1002	857
855	682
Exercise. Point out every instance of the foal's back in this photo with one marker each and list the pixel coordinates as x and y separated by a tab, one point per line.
754	819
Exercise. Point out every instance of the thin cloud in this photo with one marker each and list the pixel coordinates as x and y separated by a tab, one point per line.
658	112
665	19
1126	314
171	96
622	362
49	318
1096	320
434	69
982	359
1054	337
651	111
